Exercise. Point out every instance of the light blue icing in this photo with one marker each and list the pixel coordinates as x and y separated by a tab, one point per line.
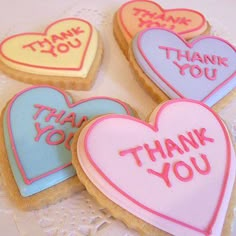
187	85
39	157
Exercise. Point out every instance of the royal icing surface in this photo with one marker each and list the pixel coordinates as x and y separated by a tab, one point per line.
39	125
187	70
67	47
135	16
176	172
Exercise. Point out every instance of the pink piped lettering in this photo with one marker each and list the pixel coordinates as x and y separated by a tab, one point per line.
160	17
196	71
200	134
56	38
213	75
44	42
66	35
38	44
168	50
134	153
59	133
182	68
40	131
164	174
69	119
185	55
188	140
173	19
223	61
212	59
179	175
41	108
63	48
184	21
137	11
171	146
68	141
50	51
149	14
197	57
81	121
142	23
77	30
143	13
157	149
53	114
76	44
201	171
149	23
32	46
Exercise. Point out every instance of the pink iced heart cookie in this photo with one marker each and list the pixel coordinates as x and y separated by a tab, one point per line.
67	54
174	174
135	16
174	68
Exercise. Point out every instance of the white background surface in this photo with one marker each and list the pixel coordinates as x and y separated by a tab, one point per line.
80	215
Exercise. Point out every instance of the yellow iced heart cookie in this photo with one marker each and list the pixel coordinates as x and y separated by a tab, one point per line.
66	54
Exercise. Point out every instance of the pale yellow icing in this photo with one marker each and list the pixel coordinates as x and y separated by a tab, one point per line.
63	59
129	20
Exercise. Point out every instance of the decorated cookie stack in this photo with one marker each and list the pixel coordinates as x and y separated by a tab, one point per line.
172	174
169	58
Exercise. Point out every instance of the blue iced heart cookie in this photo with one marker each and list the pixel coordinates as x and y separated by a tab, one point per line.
39	124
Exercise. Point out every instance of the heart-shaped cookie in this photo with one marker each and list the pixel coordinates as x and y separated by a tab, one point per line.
39	124
181	69
68	49
175	173
135	16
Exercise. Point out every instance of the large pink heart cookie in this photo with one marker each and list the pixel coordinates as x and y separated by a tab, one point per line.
184	70
175	173
68	50
135	16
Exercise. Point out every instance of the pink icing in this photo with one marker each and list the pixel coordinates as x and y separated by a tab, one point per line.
182	178
58	116
60	140
201	137
53	114
163	174
207	164
41	130
195	56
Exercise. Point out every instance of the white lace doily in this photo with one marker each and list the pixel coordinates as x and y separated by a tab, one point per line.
80	214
